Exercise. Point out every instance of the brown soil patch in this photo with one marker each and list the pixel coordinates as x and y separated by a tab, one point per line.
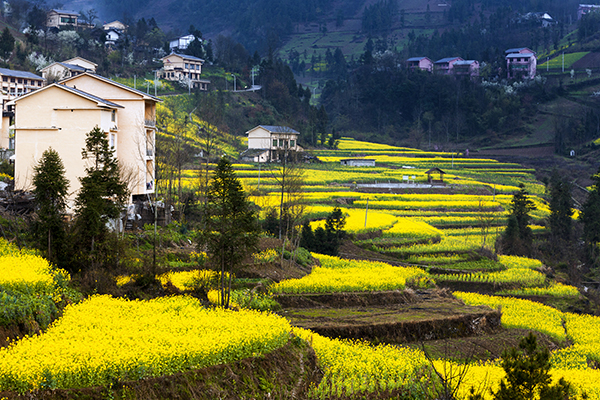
488	347
286	373
427	315
591	60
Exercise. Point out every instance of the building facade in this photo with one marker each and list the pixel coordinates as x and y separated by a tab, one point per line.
60	116
61	18
520	63
445	66
422	63
274	140
184	68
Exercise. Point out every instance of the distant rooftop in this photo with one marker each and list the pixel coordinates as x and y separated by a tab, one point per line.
19	74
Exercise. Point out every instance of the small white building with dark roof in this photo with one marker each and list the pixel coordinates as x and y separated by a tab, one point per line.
182	67
272	140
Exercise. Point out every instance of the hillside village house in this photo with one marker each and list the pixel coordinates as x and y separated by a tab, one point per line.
60	18
267	142
520	63
181	67
62	70
60	115
118	25
14	84
422	63
181	43
467	68
586	8
445	66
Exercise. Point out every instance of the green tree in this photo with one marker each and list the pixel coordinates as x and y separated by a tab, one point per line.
561	210
50	191
528	374
231	226
102	192
590	216
518	237
7	44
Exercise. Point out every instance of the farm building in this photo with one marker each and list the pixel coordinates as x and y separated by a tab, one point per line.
520	63
422	63
273	140
358	162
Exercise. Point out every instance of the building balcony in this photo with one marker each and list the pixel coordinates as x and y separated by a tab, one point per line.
150	123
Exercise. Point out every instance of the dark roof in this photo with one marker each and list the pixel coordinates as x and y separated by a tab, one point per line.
73	67
519	55
416	58
436	169
279	129
515	50
19	74
445	60
465	62
186	57
70	12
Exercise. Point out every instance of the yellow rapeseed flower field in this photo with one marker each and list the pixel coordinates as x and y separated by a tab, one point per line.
103	339
340	275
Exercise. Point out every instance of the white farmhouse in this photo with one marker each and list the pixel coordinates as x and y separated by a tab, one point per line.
272	140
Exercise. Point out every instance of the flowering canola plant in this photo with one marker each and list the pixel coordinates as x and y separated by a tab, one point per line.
104	338
339	275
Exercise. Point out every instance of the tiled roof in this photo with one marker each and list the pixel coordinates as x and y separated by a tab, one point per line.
185	56
279	129
19	74
519	55
447	59
416	58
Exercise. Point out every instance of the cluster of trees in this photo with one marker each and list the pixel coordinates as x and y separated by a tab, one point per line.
379	17
88	241
258	25
562	244
325	240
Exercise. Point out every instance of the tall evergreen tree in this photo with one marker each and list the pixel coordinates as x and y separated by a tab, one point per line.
518	237
232	228
590	216
102	192
561	211
50	191
7	44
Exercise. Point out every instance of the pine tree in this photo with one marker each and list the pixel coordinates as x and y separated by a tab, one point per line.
520	206
590	216
7	44
561	210
102	192
528	374
50	191
232	228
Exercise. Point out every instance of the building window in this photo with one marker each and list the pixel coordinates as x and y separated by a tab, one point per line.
112	140
274	142
112	116
187	66
5	79
19	80
12	80
292	143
